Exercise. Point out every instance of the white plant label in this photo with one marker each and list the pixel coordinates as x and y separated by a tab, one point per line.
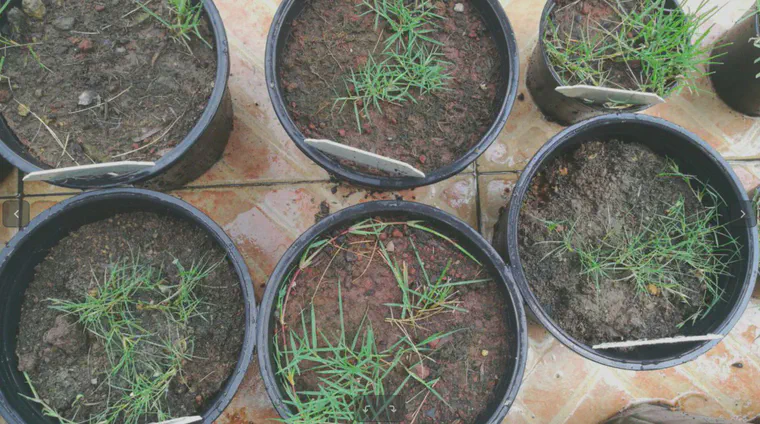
610	95
366	158
95	170
668	340
183	420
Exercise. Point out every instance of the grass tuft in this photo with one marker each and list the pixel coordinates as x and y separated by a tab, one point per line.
185	21
410	62
658	255
667	45
350	368
143	364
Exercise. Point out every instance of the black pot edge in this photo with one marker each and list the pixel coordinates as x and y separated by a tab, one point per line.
351	214
592	109
389	183
737	103
178	152
535	308
249	340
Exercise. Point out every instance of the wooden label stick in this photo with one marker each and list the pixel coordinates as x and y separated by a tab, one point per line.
610	95
366	158
95	170
668	340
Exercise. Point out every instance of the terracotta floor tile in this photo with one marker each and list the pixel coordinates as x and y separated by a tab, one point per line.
749	174
263	221
251	403
674	386
495	191
599	403
38	205
9	185
557	382
519	414
746	333
6	234
734	387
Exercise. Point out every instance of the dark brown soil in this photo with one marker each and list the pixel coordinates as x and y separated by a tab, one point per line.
467	376
578	20
329	40
600	186
148	89
63	360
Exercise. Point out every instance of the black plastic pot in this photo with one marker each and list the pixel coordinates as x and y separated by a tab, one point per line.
498	25
542	80
509	383
694	157
30	246
735	78
195	154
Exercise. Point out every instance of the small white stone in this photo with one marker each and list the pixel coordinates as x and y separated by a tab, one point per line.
459	7
86	98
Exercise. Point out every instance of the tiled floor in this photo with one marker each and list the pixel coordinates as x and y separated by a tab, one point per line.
265	192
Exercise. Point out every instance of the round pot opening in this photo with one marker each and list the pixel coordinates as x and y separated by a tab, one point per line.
399	131
184	140
542	78
27	254
360	301
693	157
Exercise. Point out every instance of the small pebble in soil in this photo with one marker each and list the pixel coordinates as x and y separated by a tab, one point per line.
99	8
5	95
85	45
38	93
423	158
383	236
390	247
422	371
397	233
430	413
351	257
459	7
342	133
94	381
64	23
34	8
87	97
22	110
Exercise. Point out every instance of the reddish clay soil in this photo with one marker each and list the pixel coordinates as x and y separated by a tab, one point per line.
467	376
330	39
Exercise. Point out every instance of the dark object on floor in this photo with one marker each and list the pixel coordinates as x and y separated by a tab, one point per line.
658	414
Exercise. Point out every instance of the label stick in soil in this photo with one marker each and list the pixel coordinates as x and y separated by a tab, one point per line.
366	158
668	340
183	420
95	170
606	95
